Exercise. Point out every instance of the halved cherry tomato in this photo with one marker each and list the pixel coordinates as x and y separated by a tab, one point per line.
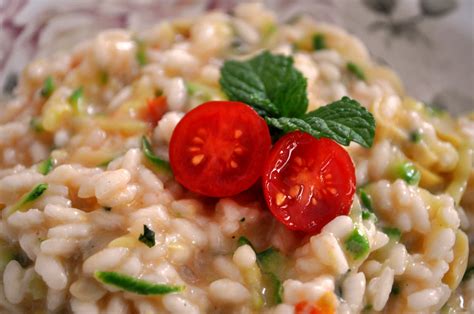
218	149
307	181
155	109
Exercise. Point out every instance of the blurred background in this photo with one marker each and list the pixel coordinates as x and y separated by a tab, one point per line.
430	43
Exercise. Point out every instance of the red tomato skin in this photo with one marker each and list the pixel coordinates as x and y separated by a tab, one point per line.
311	197
155	109
226	132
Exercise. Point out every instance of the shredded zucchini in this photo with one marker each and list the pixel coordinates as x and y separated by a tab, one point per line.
28	198
135	285
160	164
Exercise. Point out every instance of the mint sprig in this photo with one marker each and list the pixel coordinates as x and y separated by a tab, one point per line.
269	83
277	91
343	121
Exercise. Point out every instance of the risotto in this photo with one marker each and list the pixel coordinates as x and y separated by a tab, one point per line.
137	176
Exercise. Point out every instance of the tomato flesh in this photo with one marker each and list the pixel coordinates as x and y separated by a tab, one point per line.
155	109
307	182
218	149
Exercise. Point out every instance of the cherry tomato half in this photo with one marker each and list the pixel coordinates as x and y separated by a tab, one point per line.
307	181
218	149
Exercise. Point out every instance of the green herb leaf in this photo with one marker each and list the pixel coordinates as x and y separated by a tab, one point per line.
395	289
46	166
160	164
35	124
103	77
319	42
367	309
147	237
366	199
357	244
140	55
344	121
366	215
34	194
132	284
356	70
243	241
76	98
393	233
48	87
415	136
408	172
266	82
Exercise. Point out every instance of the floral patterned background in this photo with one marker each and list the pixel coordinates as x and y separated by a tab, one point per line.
429	42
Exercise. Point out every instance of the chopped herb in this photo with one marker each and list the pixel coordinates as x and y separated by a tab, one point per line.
135	285
107	209
393	233
268	31
147	237
243	240
48	87
367	309
277	91
159	163
408	172
395	289
103	77
415	136
35	124
366	199
34	194
469	273
46	166
357	244
356	70
76	98
366	215
140	55
319	42
195	89
270	260
343	121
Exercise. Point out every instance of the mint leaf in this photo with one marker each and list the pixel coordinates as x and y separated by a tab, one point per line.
343	121
267	82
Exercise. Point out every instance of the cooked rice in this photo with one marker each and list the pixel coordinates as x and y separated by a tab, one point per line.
102	191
